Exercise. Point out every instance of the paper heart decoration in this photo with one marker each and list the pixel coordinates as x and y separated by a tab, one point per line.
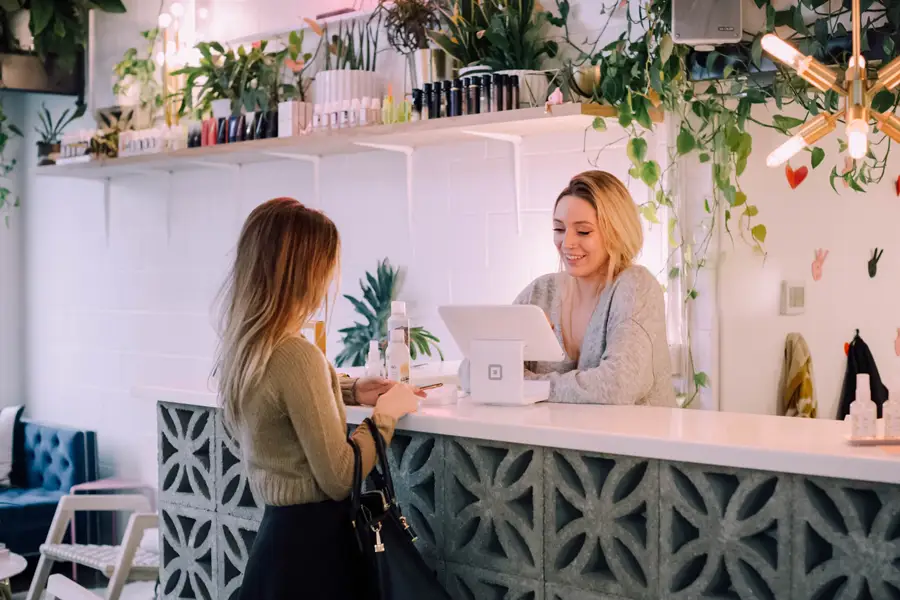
847	348
795	178
897	186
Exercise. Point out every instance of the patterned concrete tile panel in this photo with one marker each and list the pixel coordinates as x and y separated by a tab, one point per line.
725	533
189	562
234	495
470	583
186	451
846	540
601	523
417	467
554	591
495	512
234	539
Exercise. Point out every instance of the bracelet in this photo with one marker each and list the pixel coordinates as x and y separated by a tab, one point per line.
353	391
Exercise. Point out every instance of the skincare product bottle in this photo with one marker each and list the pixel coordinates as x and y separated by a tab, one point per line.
456	98
436	101
387	107
399	319
863	412
334	116
465	107
514	90
445	105
317	117
374	366
345	114
497	104
354	113
475	96
427	101
364	108
890	410
416	106
507	92
486	94
375	112
398	358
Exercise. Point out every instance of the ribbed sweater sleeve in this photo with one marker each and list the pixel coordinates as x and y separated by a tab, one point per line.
307	387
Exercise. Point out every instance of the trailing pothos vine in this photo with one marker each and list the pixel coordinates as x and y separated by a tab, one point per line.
8	200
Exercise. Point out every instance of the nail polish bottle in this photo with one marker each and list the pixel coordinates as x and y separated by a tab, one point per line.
364	107
427	101
416	105
475	96
507	92
497	104
437	101
514	89
465	107
486	94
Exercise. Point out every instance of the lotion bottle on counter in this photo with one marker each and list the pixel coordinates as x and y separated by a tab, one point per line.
863	413
374	366
399	320
891	412
398	358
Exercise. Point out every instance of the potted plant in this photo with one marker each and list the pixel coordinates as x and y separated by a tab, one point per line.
351	57
7	131
518	45
407	23
282	77
137	82
51	131
378	291
462	32
59	28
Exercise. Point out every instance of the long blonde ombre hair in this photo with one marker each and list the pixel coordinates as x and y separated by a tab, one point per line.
617	216
286	257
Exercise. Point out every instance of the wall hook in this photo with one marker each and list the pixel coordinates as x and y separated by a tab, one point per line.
818	263
873	262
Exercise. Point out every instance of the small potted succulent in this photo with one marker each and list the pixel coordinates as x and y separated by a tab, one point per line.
407	23
51	131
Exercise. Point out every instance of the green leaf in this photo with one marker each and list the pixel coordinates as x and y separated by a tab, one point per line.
701	379
674	273
704	157
740	198
756	51
759	233
730	195
834	175
41	15
798	24
666	45
599	124
637	150
650	173
685	142
706	205
883	101
642	113
625	116
692	294
751	211
649	212
740	165
818	155
785	123
726	73
770	17
888	47
110	6
711	59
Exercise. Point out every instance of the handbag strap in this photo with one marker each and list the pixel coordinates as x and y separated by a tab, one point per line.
356	486
387	481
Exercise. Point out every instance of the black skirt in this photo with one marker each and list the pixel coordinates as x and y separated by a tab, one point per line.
304	552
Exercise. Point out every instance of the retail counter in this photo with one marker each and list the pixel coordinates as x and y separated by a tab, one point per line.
577	503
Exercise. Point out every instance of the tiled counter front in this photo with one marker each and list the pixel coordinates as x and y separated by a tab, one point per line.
508	522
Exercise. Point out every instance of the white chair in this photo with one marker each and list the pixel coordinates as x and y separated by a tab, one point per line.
60	587
123	563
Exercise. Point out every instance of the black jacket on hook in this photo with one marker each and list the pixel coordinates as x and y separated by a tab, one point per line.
860	360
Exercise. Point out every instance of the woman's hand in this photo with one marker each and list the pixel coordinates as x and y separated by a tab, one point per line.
399	401
370	389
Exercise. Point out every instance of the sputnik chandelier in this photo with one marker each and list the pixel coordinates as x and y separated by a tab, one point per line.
855	89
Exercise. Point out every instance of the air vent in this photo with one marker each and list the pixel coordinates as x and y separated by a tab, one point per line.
793	298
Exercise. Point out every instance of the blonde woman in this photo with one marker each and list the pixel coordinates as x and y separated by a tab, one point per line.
285	405
608	313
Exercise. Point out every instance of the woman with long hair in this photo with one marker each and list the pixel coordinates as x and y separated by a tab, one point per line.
608	313
284	403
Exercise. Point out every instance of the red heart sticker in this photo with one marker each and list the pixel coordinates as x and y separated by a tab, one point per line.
897	186
795	178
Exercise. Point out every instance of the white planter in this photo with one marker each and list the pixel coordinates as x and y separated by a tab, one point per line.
221	108
338	86
534	87
20	29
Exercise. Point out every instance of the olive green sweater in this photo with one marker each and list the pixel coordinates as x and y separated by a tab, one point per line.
293	429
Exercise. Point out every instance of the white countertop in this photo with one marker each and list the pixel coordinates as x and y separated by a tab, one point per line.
780	444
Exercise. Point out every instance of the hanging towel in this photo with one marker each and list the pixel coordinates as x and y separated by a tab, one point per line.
798	399
860	360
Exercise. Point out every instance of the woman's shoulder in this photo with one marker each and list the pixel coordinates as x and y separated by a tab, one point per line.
296	351
540	290
638	277
636	290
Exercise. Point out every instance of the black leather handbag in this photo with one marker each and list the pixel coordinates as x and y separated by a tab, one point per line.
392	567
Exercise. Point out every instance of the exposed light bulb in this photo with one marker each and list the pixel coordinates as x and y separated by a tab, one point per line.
177	9
784	152
165	19
857	138
781	50
170	48
160	58
203	13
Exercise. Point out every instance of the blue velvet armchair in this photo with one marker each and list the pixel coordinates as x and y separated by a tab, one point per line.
47	462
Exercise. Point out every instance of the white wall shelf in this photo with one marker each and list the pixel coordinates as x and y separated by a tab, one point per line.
519	123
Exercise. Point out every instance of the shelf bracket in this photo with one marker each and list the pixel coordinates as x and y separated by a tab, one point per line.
516	141
213	165
315	161
107	207
408	151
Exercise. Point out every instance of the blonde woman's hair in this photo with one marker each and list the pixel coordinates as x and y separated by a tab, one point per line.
286	257
617	216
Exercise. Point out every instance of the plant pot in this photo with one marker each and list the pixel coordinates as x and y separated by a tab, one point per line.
221	108
584	79
473	70
337	86
47	153
534	87
429	65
